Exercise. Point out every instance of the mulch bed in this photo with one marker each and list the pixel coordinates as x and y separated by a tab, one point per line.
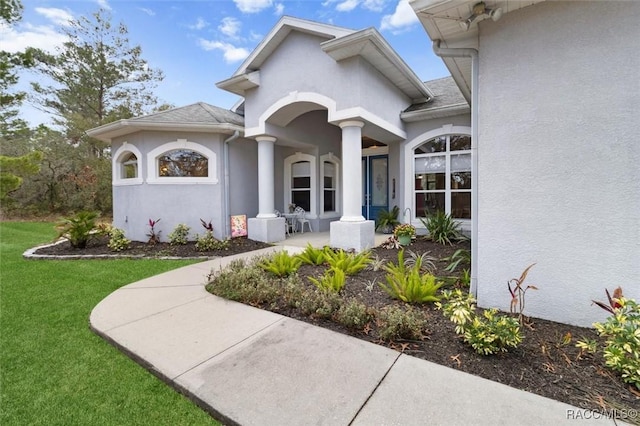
544	363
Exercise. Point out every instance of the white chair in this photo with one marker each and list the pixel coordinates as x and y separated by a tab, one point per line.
287	224
301	218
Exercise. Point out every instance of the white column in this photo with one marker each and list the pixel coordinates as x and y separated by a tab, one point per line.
352	171
266	186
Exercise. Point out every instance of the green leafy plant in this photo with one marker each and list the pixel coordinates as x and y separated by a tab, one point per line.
460	256
518	293
312	256
387	220
395	322
404	230
281	264
621	332
78	229
117	240
442	228
333	280
179	235
487	334
153	235
354	314
410	285
426	261
207	242
349	263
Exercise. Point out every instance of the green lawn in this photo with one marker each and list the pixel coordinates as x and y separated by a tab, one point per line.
53	369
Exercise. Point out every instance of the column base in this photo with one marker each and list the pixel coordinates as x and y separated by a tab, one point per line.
358	236
266	230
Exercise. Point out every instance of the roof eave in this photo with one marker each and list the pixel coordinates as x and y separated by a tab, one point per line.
241	83
431	113
108	132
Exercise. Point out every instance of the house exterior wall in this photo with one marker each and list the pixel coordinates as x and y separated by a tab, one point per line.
243	177
352	83
558	156
134	205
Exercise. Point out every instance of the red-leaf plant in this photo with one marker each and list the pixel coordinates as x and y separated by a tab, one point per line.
154	237
613	301
207	225
518	292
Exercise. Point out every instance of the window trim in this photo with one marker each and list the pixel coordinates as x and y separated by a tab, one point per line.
116	165
288	162
409	175
152	164
330	158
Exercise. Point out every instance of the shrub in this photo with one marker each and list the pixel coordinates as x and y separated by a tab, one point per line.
622	340
353	314
117	240
281	264
349	263
321	304
333	280
248	285
487	335
312	256
180	235
442	227
78	229
208	242
410	285
395	323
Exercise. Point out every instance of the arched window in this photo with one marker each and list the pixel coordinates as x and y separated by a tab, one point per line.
442	176
126	165
330	178
301	182
181	162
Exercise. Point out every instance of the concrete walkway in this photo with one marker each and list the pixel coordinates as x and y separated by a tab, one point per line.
252	367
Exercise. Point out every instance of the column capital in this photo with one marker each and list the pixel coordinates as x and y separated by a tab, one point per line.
351	123
265	138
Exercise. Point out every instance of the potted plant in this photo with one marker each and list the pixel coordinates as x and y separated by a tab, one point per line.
404	233
387	220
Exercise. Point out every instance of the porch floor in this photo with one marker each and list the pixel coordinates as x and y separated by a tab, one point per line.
318	239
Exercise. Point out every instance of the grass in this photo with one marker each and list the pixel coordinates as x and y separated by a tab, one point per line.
53	369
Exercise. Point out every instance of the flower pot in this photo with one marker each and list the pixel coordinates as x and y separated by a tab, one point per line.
404	240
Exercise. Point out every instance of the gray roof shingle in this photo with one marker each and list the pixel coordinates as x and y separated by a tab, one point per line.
201	113
446	93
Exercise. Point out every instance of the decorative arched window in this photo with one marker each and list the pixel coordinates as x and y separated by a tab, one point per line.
126	165
300	182
181	162
330	178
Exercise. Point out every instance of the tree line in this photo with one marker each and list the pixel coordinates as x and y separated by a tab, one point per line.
94	78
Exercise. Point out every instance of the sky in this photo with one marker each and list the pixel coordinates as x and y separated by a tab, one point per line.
197	43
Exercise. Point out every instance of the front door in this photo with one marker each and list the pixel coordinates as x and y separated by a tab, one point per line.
375	185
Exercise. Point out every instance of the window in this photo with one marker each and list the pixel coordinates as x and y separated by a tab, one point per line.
126	165
442	176
183	163
330	173
300	182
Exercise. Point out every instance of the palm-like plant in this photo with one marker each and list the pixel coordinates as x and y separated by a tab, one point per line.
78	229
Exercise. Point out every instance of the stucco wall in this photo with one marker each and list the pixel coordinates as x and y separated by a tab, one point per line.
559	181
134	205
299	64
243	177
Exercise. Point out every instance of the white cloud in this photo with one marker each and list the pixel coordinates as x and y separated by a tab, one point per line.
279	9
200	24
57	16
41	37
230	27
230	52
347	5
403	18
147	11
252	6
374	5
103	4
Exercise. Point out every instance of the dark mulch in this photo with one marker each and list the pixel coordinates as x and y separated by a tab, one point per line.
98	246
544	364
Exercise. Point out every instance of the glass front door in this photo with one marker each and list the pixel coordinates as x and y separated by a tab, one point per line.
375	185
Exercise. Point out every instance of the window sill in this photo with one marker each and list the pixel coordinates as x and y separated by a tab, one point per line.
127	182
182	181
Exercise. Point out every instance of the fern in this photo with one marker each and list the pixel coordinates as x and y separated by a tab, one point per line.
333	280
312	256
281	264
349	263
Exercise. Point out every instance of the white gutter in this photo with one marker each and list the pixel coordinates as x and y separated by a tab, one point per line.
227	193
473	54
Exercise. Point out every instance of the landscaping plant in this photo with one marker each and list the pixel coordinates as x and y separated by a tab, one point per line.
153	235
354	314
518	293
395	323
404	230
487	334
410	285
78	229
460	256
117	240
208	242
387	220
313	256
349	263
281	264
333	280
442	227
180	235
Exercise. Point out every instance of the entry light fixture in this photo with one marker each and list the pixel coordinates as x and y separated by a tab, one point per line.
480	10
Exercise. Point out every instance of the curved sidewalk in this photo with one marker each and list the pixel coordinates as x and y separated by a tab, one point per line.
253	367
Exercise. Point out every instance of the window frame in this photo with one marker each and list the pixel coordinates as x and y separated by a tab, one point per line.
117	164
154	178
288	163
331	158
